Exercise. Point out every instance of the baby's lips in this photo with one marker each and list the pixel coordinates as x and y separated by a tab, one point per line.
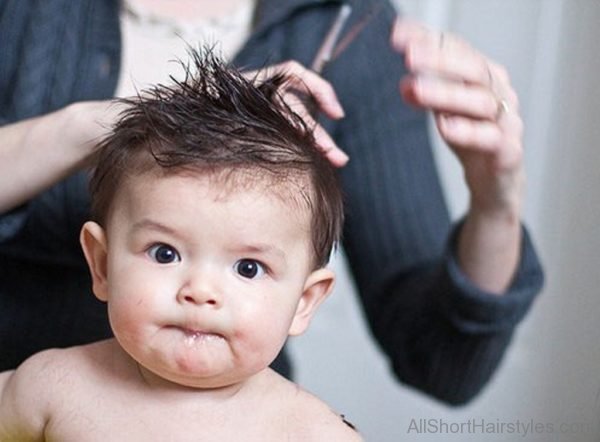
195	331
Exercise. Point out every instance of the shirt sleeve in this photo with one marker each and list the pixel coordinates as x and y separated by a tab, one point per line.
474	310
12	222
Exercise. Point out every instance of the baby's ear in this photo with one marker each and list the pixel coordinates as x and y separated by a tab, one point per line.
318	286
93	243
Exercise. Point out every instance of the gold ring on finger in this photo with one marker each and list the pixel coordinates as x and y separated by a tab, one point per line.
502	108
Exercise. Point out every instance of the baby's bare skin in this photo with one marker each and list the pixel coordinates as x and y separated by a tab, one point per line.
97	393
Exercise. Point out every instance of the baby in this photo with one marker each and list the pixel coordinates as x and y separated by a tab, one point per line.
214	218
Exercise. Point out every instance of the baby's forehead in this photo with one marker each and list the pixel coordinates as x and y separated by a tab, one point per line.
293	189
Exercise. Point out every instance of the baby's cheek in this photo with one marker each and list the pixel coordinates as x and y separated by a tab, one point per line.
129	313
256	351
121	317
266	336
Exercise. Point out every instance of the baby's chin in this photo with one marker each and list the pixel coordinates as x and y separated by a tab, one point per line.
190	358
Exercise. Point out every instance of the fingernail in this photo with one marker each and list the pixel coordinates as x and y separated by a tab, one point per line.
341	158
335	109
398	37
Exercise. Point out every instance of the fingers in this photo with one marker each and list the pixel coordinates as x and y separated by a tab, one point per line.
449	96
325	143
336	156
431	55
431	51
465	132
303	82
447	75
467	136
475	106
501	86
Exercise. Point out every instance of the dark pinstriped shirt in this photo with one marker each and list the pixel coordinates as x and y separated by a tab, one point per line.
440	333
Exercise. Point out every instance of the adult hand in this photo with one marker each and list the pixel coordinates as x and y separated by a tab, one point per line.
476	113
475	108
303	83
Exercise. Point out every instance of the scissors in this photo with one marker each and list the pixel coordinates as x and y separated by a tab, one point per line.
332	45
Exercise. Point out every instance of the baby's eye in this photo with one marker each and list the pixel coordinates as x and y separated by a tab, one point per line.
163	254
249	268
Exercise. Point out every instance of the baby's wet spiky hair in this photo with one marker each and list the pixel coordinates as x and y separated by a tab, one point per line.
216	121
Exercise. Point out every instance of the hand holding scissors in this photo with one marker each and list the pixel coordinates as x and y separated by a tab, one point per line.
303	82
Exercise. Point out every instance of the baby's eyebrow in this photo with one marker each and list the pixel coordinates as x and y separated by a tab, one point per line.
152	225
260	248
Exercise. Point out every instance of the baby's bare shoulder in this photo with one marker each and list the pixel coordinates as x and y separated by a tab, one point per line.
319	422
308	418
47	366
28	394
57	370
56	361
45	384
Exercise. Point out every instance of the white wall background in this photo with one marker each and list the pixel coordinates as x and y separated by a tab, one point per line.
551	374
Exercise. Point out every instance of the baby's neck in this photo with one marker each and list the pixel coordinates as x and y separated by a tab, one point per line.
161	385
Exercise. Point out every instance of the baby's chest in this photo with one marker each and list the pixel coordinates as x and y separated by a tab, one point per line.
135	424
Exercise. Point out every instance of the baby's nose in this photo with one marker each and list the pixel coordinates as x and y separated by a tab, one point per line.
199	292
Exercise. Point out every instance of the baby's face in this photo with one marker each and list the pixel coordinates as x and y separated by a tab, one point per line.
203	285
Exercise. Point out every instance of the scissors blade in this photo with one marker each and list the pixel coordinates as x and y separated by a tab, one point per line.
355	30
329	43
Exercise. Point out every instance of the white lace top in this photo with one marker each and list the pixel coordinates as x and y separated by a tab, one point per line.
151	43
